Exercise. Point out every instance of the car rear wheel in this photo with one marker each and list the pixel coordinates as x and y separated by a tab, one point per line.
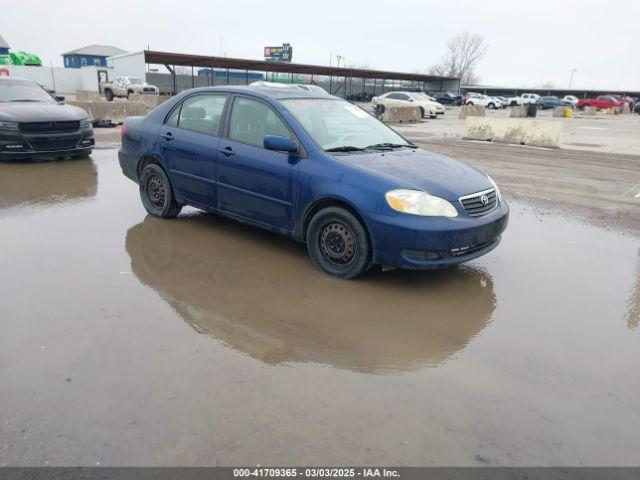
492	106
108	94
421	112
156	192
338	243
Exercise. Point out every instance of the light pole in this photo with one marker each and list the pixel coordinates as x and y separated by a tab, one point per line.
571	78
339	57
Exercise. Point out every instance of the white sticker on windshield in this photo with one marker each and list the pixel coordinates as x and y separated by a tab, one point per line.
358	112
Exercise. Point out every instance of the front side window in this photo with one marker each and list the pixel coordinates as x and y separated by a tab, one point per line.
201	113
251	120
336	123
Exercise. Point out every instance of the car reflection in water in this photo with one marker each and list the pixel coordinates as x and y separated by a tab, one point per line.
46	183
261	296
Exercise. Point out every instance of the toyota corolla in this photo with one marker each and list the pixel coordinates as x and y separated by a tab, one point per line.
296	160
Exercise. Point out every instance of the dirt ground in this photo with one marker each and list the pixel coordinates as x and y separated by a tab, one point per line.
128	340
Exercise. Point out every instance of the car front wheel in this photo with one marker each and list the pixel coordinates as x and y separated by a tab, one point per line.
338	243
156	192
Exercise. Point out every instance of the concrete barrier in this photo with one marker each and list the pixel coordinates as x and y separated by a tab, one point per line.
518	131
472	111
150	101
114	111
560	111
518	111
87	95
401	115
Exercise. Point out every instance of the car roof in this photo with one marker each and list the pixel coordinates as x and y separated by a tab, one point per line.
272	90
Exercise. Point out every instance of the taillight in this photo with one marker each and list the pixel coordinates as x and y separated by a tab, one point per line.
123	130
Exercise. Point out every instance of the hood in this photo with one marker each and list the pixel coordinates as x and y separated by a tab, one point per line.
39	112
422	170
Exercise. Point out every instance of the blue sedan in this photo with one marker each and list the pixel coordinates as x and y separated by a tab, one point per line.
296	160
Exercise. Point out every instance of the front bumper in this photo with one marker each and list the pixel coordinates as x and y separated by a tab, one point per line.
414	242
15	145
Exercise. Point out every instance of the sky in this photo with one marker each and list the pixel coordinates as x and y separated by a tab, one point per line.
530	42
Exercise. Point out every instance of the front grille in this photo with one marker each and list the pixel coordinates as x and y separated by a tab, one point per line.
50	127
53	144
459	252
480	203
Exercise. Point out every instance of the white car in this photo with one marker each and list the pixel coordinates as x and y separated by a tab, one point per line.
484	100
427	106
527	98
571	100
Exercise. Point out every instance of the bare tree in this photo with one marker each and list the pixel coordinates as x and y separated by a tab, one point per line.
462	55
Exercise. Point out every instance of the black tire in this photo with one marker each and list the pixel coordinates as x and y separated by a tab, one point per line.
492	106
421	112
156	192
108	94
338	243
584	107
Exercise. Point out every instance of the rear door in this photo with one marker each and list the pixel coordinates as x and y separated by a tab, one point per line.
189	142
255	183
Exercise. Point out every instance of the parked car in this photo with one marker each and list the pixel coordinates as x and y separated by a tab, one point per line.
637	108
484	100
34	123
448	98
570	100
527	98
504	101
550	102
427	106
123	86
314	167
601	101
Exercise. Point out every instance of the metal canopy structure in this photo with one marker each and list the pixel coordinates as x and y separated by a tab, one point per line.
164	58
170	60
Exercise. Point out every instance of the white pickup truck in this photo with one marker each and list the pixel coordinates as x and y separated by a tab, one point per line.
123	86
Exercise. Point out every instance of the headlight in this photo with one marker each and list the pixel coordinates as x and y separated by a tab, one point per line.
84	123
8	125
495	185
415	202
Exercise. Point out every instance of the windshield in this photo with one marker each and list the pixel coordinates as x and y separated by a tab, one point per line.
23	91
135	81
419	96
336	124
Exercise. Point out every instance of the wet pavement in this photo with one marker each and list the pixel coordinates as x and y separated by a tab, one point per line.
127	340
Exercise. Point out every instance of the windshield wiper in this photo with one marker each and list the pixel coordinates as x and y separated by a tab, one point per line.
344	148
391	145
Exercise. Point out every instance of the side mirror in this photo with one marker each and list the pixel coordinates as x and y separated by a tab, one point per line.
59	98
411	99
279	143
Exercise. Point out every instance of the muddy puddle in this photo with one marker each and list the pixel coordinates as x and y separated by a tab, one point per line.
128	340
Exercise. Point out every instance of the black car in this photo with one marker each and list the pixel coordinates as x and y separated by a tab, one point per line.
446	98
550	102
34	123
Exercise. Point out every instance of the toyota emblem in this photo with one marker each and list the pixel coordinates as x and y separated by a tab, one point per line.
484	199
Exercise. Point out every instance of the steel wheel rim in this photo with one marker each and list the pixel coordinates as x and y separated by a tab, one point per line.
337	243
156	191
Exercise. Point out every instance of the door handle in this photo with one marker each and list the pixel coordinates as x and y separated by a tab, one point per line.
228	151
167	136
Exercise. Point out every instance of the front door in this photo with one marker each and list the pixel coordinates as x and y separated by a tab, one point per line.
253	182
189	141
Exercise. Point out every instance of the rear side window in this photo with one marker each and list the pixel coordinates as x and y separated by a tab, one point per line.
251	120
200	113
